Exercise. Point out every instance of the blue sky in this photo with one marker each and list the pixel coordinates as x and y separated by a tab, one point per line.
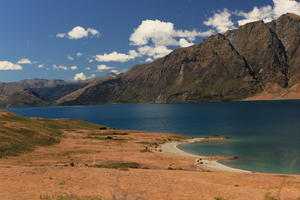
64	39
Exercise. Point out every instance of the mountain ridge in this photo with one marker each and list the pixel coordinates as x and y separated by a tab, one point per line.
257	61
236	65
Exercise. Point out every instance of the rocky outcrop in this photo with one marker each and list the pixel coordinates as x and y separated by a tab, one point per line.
287	29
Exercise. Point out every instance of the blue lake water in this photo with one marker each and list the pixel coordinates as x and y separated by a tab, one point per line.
266	134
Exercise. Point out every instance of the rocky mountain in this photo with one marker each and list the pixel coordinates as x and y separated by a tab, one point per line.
12	95
258	60
42	92
74	97
51	90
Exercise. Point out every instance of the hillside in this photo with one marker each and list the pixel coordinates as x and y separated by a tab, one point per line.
51	90
15	96
20	134
245	63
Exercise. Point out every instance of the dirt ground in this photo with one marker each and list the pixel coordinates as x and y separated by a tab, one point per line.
119	164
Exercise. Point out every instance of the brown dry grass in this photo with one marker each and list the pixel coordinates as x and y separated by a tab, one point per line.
113	164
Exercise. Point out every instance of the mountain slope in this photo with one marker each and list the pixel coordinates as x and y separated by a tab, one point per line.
12	95
75	98
239	64
256	61
51	90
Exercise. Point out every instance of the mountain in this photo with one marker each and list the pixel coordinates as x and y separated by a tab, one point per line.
51	90
12	95
74	98
257	60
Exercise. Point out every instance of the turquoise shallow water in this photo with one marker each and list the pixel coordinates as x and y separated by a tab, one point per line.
266	134
271	155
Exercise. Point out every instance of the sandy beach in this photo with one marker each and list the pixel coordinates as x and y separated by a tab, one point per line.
172	147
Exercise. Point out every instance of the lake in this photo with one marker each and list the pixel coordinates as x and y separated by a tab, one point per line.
265	134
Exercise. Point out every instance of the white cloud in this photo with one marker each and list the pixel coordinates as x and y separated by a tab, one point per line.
117	57
286	6
115	71
101	68
74	67
79	77
264	13
148	60
161	34
6	65
79	32
58	67
79	54
60	35
191	35
155	52
269	12
153	38
24	61
88	68
184	43
220	21
40	66
70	58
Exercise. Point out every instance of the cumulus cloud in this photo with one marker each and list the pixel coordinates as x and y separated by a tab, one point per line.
6	65
264	13
184	43
154	52
73	67
286	6
24	61
59	67
117	57
152	39
101	68
79	32
79	77
161	33
269	13
40	66
220	21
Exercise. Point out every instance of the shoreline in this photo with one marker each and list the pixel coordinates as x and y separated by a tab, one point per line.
172	148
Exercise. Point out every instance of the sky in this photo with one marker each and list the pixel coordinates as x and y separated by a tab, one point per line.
80	39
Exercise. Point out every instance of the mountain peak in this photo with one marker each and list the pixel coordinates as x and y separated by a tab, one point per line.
292	15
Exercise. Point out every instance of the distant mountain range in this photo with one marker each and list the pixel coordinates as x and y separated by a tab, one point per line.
257	61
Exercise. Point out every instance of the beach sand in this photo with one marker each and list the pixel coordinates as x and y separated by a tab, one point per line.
172	147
